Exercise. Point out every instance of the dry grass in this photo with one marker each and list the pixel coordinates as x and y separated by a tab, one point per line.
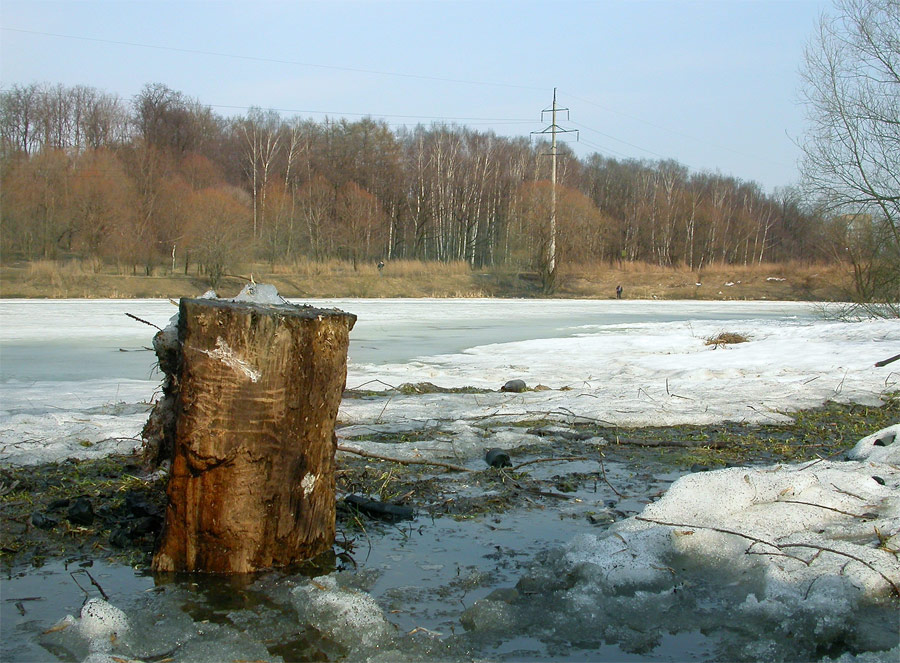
55	272
726	338
392	269
789	281
413	278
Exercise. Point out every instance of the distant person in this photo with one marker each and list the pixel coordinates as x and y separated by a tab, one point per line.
380	265
618	292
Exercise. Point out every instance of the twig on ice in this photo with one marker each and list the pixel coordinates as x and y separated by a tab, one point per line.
603	470
894	587
822	506
819	549
402	461
547	460
144	321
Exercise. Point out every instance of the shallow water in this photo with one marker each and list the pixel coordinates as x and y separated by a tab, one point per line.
490	587
423	575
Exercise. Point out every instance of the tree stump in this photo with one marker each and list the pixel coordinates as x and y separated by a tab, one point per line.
256	395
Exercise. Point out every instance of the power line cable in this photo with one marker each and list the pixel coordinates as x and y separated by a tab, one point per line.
606	150
256	58
504	120
673	132
619	140
397	75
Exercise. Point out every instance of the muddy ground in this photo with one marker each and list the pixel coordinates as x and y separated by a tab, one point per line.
112	508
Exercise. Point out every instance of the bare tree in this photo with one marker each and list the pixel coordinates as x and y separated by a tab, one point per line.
852	148
18	117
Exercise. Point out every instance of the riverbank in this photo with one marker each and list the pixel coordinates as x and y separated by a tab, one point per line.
111	508
333	279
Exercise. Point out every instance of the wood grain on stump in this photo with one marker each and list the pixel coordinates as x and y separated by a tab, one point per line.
257	395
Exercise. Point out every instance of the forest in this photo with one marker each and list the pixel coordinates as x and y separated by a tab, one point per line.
163	182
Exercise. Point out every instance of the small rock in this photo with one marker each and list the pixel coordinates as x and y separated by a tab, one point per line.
120	538
41	521
601	518
879	480
137	506
81	512
146	525
497	458
514	386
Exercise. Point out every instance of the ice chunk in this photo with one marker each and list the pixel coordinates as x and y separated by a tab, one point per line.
495	612
348	616
101	622
95	635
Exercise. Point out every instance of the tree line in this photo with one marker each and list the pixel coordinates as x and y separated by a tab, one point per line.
162	180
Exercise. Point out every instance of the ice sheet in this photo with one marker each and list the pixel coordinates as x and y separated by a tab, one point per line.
62	368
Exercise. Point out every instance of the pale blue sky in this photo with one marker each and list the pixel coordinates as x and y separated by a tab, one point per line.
713	85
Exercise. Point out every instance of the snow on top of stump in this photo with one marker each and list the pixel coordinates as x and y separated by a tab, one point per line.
260	293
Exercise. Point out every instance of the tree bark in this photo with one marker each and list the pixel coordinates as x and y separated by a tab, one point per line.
252	478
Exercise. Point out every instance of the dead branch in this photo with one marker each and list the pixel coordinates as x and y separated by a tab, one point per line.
819	549
402	461
611	487
96	584
885	362
821	458
547	460
709	527
894	587
822	506
534	491
390	386
144	321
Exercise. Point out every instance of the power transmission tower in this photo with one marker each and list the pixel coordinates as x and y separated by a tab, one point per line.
550	278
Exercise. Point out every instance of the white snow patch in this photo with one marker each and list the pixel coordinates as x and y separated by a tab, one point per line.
801	550
653	368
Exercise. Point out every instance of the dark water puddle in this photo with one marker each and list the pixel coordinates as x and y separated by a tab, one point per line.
423	575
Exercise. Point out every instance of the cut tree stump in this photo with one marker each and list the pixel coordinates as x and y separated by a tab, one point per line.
255	396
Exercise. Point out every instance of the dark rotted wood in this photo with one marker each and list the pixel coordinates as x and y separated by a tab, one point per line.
252	477
885	362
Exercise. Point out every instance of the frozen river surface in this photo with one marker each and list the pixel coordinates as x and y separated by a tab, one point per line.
72	373
75	379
